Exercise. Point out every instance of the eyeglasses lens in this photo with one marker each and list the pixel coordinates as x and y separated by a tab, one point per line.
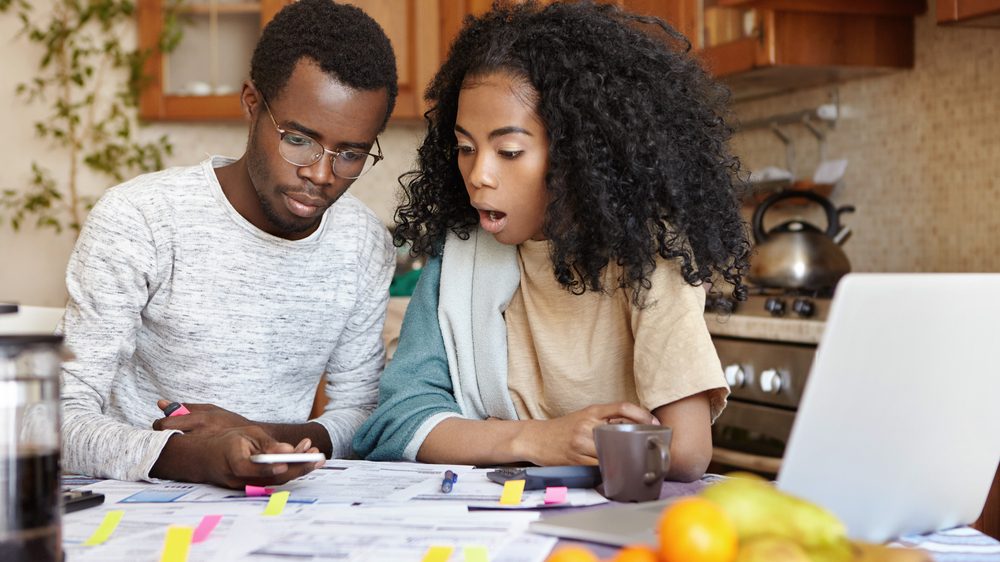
304	151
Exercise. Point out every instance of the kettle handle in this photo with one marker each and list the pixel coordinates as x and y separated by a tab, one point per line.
832	214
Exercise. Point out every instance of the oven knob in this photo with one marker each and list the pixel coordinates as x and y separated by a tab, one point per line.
771	381
803	307
735	376
775	306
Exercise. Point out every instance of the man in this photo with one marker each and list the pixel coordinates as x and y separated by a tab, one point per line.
233	286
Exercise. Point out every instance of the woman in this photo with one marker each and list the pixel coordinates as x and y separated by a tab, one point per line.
574	192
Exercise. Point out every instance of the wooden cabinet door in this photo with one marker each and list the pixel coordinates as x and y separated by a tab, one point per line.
172	97
785	45
681	14
976	13
414	27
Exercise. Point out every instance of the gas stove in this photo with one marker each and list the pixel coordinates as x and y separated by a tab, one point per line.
766	344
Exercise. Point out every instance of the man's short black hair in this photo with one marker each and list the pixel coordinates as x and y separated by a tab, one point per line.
343	40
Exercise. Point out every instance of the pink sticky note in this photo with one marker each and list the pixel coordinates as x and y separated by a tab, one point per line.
555	494
258	491
205	528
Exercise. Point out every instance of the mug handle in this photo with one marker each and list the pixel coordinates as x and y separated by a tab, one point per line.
657	461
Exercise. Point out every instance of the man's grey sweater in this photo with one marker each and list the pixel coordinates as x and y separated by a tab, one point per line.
174	295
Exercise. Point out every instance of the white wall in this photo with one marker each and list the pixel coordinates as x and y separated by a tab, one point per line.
33	262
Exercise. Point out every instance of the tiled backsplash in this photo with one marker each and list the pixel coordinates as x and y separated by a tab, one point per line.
923	149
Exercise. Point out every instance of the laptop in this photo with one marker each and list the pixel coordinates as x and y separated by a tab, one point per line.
897	430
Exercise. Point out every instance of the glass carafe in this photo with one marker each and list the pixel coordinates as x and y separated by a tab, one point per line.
29	448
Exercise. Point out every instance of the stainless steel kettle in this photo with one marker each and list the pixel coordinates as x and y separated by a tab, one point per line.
797	254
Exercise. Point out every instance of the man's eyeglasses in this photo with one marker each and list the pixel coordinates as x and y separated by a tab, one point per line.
302	150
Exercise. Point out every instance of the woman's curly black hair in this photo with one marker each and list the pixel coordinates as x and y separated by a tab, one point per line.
638	161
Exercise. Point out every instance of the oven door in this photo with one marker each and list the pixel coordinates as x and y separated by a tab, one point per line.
751	437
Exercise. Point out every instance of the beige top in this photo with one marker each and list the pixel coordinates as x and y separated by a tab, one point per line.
567	352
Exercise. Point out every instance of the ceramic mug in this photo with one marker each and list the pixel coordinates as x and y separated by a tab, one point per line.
634	459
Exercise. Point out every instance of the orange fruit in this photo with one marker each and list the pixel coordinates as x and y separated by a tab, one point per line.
696	529
572	554
637	553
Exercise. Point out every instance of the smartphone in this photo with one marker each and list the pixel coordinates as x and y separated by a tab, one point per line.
75	500
541	477
271	458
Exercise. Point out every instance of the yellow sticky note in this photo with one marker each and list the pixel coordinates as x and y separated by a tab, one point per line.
276	504
438	554
108	526
512	490
476	554
177	544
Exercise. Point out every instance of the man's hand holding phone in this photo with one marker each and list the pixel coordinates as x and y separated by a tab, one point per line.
224	458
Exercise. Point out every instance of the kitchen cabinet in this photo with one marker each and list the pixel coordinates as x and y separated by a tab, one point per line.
764	47
414	27
973	13
759	47
201	78
680	13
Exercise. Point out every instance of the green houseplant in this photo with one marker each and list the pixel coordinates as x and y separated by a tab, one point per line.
89	83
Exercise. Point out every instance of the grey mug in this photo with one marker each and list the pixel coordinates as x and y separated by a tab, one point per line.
634	459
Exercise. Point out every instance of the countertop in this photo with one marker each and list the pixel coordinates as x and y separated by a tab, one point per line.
733	325
765	328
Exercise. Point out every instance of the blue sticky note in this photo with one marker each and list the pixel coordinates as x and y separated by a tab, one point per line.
155	496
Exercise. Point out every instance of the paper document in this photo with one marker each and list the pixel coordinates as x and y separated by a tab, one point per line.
474	490
347	511
366	482
358	534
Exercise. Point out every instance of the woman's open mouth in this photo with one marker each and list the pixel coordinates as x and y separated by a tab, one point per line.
492	221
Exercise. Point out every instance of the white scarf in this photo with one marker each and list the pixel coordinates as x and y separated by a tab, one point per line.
478	278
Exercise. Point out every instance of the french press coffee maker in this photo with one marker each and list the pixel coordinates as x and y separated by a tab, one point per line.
29	446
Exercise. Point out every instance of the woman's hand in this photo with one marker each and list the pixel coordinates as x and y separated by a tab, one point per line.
569	440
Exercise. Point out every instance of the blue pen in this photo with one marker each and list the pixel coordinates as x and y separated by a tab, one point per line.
449	481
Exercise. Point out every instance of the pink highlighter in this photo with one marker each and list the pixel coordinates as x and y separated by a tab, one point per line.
175	409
